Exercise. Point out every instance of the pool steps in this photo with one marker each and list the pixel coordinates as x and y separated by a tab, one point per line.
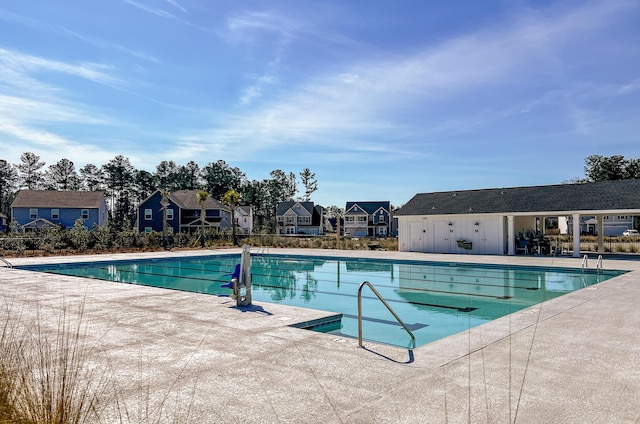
320	324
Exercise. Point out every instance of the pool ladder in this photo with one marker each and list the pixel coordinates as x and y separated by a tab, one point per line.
262	250
384	302
585	262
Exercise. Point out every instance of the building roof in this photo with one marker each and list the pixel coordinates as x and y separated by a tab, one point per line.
188	199
621	195
243	210
283	207
58	199
369	207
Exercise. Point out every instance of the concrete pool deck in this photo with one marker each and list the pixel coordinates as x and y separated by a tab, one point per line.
572	359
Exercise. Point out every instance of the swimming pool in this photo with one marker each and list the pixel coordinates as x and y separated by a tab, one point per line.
434	299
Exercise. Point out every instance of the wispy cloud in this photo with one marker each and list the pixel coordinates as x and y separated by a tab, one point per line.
109	45
93	41
255	91
162	13
362	101
29	105
50	146
14	62
246	22
177	5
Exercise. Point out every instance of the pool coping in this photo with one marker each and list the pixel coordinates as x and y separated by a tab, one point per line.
444	365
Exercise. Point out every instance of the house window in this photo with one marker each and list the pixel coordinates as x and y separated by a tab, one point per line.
55	213
148	214
169	214
85	213
348	219
33	213
147	230
362	219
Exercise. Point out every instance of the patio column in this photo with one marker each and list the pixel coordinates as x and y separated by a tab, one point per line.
511	236
600	219
576	235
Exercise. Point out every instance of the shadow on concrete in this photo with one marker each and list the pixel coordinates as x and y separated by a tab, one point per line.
408	361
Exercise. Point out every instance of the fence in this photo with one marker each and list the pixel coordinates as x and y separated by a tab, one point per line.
48	244
612	244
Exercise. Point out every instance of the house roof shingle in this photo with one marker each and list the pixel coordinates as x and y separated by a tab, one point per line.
58	199
596	196
368	207
283	207
188	199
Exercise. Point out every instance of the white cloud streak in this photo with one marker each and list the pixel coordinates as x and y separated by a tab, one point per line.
359	102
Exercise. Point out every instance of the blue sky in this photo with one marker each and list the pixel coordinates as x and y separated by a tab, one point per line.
380	99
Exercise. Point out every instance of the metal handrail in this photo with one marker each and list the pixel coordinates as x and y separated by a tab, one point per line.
585	262
6	262
599	263
262	250
384	302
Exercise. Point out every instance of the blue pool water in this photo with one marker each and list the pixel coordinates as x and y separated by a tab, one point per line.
434	299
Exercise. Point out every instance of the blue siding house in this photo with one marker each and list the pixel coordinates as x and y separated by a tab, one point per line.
183	213
33	209
3	223
368	219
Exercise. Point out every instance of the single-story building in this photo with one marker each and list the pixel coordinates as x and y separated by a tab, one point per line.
33	209
493	221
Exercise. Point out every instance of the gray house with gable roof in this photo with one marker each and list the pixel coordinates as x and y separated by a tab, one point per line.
368	219
491	221
295	217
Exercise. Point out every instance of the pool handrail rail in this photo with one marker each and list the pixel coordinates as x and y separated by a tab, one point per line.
6	262
384	302
585	262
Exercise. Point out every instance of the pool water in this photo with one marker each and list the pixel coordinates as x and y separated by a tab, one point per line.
434	299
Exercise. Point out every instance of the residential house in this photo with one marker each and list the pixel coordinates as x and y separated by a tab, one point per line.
331	224
613	225
244	219
495	221
368	219
32	209
3	223
295	217
183	213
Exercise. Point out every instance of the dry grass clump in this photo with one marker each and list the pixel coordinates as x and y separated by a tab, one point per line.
46	378
50	374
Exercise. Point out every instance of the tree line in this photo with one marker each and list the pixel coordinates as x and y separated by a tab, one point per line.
125	187
616	167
